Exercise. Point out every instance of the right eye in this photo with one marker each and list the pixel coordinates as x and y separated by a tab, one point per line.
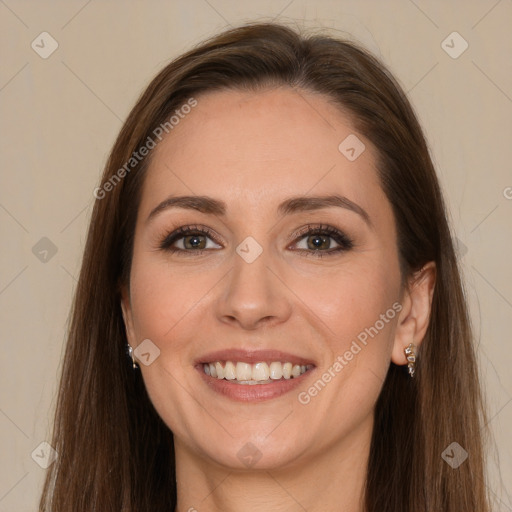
193	239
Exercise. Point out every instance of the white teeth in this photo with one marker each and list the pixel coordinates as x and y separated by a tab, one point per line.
243	371
229	371
258	373
276	371
220	371
287	370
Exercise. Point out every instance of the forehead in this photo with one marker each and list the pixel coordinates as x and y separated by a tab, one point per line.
256	147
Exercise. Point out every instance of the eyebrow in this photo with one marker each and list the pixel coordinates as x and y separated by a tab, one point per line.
209	205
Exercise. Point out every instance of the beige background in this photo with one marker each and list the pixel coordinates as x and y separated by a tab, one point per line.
60	116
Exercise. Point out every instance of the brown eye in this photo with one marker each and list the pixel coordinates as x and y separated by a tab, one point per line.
318	241
189	239
194	242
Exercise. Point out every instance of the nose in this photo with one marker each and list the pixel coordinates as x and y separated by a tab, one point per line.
254	294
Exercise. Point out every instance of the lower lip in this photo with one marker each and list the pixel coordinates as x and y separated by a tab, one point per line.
252	392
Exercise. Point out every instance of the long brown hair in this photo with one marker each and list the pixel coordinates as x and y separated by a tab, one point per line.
114	451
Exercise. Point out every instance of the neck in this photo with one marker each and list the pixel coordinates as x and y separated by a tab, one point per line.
332	480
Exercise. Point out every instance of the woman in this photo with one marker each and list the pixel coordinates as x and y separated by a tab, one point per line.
270	245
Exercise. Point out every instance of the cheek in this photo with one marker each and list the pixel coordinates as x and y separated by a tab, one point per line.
358	312
351	299
169	304
165	303
163	297
357	309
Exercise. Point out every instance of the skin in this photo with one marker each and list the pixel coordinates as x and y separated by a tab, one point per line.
253	150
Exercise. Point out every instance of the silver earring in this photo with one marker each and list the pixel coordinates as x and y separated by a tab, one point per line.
410	354
130	353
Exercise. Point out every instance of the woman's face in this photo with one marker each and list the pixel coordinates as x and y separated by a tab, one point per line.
299	265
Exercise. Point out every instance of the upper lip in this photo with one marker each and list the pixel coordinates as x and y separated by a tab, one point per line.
253	356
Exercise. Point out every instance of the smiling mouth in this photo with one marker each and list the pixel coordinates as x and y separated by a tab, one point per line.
239	372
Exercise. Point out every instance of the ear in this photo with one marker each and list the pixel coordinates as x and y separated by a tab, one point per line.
127	316
415	315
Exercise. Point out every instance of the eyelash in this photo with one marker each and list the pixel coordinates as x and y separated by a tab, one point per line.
345	243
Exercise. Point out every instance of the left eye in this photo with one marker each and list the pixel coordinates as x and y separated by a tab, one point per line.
316	241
